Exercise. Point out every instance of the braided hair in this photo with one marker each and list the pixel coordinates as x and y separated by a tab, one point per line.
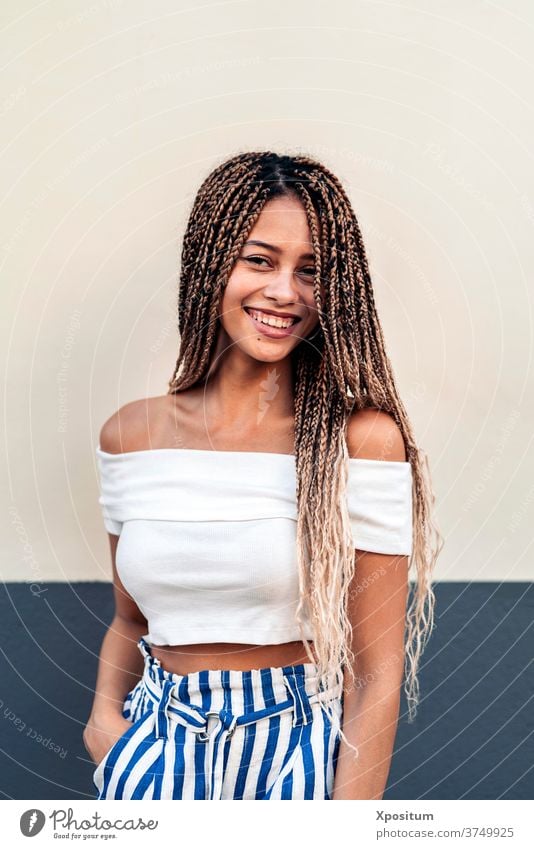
344	370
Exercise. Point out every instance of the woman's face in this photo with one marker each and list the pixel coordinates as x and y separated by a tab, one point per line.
268	306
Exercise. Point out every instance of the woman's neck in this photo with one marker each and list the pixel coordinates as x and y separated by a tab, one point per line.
244	395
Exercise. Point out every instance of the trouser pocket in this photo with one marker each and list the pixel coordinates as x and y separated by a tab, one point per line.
128	712
104	769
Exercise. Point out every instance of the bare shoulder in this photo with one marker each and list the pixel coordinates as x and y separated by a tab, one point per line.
135	426
374	435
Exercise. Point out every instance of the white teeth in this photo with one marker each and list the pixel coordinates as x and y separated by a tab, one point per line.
271	320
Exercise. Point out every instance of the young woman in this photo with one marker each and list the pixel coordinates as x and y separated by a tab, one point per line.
262	516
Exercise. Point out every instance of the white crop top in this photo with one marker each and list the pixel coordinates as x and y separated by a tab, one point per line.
207	545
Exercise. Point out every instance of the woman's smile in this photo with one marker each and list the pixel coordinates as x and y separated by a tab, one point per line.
273	324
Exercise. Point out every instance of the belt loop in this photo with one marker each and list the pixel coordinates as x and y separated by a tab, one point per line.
162	718
144	648
295	683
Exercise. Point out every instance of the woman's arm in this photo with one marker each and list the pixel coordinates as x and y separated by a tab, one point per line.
120	667
377	610
371	707
120	663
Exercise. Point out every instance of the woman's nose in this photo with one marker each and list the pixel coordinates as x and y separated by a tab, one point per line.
282	286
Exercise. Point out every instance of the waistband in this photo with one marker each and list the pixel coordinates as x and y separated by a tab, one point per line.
213	703
194	686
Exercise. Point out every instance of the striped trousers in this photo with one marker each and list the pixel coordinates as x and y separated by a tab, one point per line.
224	734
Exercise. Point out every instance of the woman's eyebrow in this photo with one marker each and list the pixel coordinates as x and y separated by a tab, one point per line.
274	248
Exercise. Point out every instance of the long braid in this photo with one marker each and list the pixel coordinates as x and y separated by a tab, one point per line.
345	368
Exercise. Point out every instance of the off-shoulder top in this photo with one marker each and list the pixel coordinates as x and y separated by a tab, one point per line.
207	539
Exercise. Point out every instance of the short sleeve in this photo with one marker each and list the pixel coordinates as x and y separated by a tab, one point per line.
379	500
111	525
108	495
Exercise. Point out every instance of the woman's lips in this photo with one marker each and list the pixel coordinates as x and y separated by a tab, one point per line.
269	330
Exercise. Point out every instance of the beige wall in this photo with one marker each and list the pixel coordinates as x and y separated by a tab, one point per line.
112	114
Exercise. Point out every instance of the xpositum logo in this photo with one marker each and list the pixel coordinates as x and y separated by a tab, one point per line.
31	822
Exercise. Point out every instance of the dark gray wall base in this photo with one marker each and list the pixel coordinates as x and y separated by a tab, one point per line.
470	739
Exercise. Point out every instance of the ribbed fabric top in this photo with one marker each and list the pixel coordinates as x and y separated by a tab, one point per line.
207	544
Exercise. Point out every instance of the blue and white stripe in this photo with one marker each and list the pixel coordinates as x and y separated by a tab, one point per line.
224	734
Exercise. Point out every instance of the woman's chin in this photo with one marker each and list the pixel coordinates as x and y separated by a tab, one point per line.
262	348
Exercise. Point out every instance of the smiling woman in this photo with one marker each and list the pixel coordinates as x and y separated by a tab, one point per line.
262	516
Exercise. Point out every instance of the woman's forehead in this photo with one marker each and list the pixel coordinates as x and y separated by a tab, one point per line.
283	222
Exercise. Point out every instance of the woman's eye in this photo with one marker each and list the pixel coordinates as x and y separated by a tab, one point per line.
256	260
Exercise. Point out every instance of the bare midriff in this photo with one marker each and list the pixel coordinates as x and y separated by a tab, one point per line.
182	660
